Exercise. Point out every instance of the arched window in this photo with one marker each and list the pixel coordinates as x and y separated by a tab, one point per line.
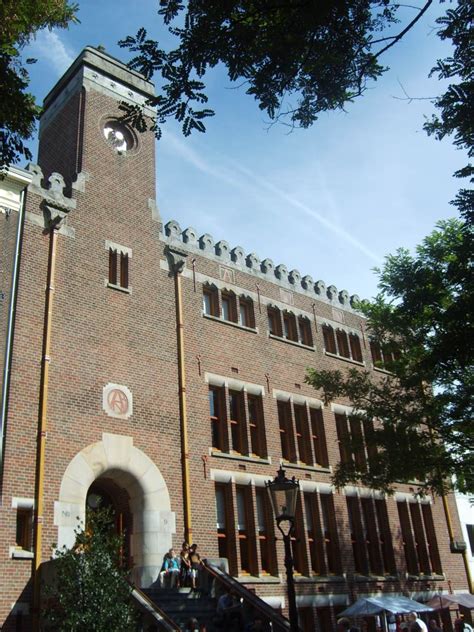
210	300
274	321
329	339
306	337
289	324
246	312
229	306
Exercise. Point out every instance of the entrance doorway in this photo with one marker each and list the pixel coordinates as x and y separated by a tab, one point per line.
104	493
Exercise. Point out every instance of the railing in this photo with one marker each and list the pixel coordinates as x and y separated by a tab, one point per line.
228	583
161	620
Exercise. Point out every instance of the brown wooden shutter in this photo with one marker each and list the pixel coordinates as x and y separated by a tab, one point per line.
373	545
343	438
356	350
320	444
408	541
332	548
123	270
358	440
388	557
329	339
358	536
112	266
421	544
432	541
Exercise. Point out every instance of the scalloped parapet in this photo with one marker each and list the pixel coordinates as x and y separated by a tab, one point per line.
56	205
220	251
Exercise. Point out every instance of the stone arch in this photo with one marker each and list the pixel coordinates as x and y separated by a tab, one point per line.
130	468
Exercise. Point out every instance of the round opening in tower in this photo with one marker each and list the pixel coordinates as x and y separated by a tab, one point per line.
118	136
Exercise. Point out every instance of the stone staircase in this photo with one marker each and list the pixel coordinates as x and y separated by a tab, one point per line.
181	604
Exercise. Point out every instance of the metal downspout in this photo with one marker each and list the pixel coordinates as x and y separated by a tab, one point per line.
11	319
177	259
42	428
449	524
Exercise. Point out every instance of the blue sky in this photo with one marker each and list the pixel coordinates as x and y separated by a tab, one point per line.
330	201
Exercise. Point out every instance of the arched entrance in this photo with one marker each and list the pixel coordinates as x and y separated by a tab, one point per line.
115	464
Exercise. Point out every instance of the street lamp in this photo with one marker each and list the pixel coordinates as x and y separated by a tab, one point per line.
283	494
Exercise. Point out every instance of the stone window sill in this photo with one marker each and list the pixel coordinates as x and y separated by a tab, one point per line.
303	466
320	579
20	554
240	457
262	579
339	357
295	343
252	330
125	290
380	370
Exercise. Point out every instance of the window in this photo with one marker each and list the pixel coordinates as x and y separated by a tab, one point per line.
230	420
118	268
352	441
419	538
286	325
289	325
329	528
210	301
217	414
257	427
286	431
383	355
24	529
307	444
358	536
470	535
274	322
237	422
233	308
246	312
385	538
247	537
314	534
306	337
221	520
322	534
265	533
341	343
318	437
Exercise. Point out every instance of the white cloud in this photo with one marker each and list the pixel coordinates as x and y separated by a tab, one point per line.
48	46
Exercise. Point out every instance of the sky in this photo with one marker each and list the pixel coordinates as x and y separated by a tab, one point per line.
330	201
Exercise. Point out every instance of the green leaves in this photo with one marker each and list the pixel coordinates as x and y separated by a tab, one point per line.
90	592
424	407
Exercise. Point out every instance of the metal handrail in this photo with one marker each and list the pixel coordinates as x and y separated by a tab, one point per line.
278	621
164	622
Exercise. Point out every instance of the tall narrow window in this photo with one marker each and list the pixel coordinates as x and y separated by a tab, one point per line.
229	306
257	427
289	324
342	343
306	337
358	442
222	520
266	541
217	416
411	557
385	537
358	536
298	541
376	352
24	529
274	321
246	313
118	268
372	537
343	438
318	436
356	350
431	539
420	541
286	433
243	528
237	422
329	527
314	533
329	339
210	301
302	434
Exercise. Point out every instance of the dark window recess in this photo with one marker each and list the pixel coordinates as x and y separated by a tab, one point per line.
237	422
298	541
358	536
245	530
24	529
420	540
266	536
246	313
411	557
217	416
289	324
257	426
343	438
229	306
274	322
118	268
329	528
371	536
358	443
356	350
306	337
303	437
342	344
329	339
385	537
319	437
286	433
225	525
210	301
315	534
470	535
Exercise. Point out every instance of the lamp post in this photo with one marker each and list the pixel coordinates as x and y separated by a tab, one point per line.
283	494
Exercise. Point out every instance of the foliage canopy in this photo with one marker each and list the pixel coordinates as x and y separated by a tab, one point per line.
90	592
19	21
423	400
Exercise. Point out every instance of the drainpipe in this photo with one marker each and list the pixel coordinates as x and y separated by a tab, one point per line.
43	422
177	260
452	542
11	320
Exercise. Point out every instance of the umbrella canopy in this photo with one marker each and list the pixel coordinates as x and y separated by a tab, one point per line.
375	605
444	601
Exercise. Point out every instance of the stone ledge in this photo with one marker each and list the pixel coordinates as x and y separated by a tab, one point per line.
291	342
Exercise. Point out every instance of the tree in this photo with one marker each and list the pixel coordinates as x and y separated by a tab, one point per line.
19	21
422	321
90	592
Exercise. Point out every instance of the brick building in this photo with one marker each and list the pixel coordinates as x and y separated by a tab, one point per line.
106	394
